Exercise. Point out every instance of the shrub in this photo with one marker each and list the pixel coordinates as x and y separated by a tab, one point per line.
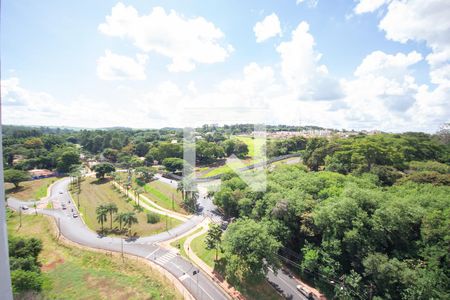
429	166
153	218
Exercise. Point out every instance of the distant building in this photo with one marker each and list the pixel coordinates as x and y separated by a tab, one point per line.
41	173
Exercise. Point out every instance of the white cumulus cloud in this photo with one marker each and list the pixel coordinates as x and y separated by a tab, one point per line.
267	28
366	6
301	68
186	41
113	66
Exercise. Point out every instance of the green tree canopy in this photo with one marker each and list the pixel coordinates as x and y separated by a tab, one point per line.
16	176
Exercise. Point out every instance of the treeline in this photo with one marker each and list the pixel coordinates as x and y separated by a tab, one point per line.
46	151
355	235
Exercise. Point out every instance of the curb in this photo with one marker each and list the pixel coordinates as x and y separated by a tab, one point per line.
173	279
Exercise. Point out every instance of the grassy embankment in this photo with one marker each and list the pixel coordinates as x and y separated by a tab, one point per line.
161	193
96	192
180	242
29	190
72	273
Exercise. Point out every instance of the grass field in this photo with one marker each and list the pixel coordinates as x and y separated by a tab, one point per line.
255	147
80	274
161	193
198	245
29	190
95	192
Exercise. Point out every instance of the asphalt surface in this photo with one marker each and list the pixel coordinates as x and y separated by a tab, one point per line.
73	228
199	285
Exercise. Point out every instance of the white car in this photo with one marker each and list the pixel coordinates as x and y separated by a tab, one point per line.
24	207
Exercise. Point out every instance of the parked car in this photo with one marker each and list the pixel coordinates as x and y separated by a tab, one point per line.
63	206
75	215
24	207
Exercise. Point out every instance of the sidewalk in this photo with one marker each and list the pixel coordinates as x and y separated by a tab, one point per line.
144	202
207	269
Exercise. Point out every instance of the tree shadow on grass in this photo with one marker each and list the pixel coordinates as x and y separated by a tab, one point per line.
101	181
14	190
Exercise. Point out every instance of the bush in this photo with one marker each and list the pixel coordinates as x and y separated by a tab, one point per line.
429	166
153	218
434	178
387	175
23	281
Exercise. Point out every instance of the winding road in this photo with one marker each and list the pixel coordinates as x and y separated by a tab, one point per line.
199	285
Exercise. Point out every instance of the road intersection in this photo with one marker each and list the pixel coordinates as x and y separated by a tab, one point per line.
194	280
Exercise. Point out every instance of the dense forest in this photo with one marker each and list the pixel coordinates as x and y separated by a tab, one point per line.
367	216
362	216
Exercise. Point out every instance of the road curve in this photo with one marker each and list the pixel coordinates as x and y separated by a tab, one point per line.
199	285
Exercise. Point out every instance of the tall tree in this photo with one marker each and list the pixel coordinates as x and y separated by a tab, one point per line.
102	214
213	238
129	219
16	176
111	208
249	250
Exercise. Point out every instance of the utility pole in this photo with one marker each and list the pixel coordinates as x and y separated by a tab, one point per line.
5	283
20	217
121	243
173	206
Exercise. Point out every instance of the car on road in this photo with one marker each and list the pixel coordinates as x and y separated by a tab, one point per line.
24	207
305	291
75	215
60	192
63	206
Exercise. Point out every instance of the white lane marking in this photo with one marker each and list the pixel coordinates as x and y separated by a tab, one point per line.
166	257
183	277
151	253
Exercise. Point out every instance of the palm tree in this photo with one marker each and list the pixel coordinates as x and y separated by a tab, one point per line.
130	219
138	194
111	208
189	192
102	214
120	218
180	188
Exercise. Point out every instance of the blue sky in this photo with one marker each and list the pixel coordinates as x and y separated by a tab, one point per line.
380	64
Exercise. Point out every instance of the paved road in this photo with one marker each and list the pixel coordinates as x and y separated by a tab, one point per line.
199	285
282	281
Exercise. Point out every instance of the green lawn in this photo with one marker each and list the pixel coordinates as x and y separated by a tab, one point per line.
95	192
198	245
30	190
161	193
254	145
72	273
254	149
180	242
